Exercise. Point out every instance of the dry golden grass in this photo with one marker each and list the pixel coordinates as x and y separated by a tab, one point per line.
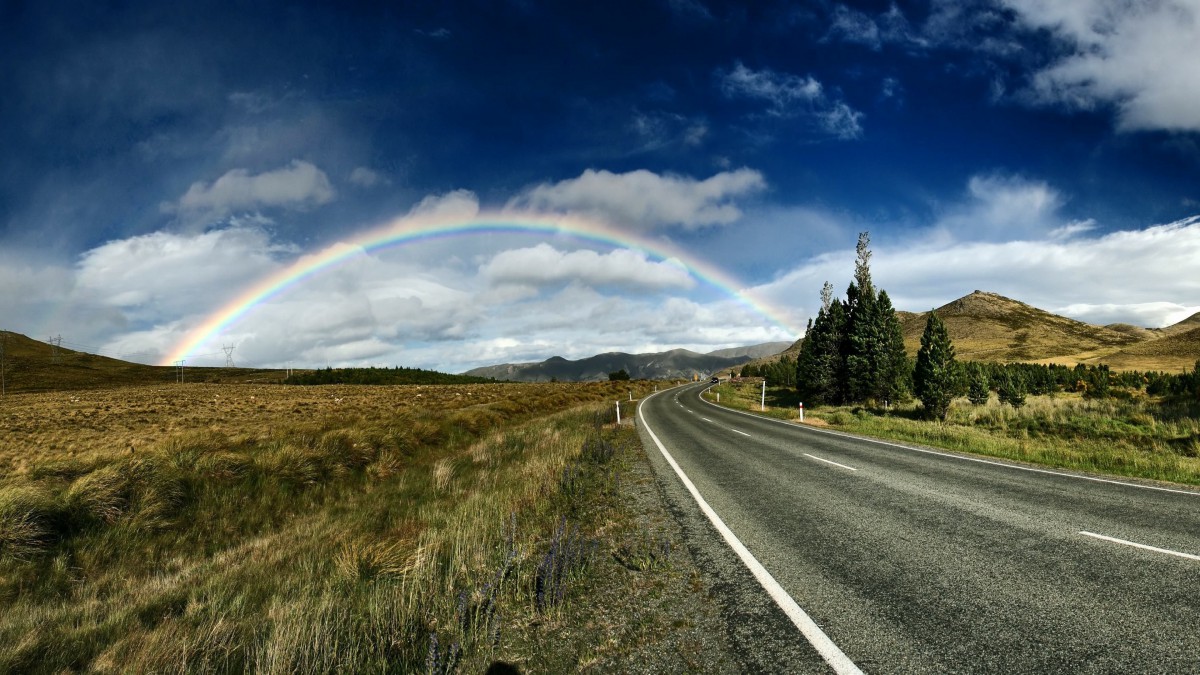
95	425
279	529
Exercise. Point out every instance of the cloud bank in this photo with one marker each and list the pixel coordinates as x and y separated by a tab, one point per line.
646	200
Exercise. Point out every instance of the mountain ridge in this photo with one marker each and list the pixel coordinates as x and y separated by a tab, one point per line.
673	363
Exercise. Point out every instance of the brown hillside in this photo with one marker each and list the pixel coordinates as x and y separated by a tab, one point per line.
1172	353
1187	324
990	327
32	365
1137	332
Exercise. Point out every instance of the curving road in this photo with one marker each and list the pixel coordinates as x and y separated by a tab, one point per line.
911	560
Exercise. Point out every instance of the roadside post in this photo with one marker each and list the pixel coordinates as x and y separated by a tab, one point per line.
801	411
762	407
618	412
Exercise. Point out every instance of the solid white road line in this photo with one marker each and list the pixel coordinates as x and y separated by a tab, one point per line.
1134	544
834	656
927	451
829	462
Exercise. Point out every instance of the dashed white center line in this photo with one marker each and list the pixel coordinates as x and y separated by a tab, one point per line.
706	419
739	432
1134	544
819	459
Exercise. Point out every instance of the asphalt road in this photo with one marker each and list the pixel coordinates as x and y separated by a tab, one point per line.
917	561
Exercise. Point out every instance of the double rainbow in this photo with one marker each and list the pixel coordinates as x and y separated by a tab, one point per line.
416	229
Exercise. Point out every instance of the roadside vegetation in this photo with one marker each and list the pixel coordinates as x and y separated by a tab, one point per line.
852	373
1139	436
336	529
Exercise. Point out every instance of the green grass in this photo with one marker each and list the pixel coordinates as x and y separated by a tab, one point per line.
424	541
1136	438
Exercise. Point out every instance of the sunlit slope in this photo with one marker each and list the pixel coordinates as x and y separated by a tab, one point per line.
32	365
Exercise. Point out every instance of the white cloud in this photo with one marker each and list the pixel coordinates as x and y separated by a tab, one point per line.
300	185
1139	57
543	265
1004	207
790	95
153	277
644	199
660	129
456	204
851	25
1149	277
366	178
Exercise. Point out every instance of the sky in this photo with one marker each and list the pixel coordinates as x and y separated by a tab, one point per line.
711	164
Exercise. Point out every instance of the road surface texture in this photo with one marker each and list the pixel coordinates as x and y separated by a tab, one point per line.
912	561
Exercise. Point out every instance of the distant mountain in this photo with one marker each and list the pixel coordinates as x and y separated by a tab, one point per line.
677	363
753	351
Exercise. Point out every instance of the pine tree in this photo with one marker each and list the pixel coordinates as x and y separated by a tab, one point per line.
1011	389
818	364
894	367
934	378
977	392
860	344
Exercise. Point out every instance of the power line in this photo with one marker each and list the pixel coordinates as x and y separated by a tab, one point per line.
55	343
229	356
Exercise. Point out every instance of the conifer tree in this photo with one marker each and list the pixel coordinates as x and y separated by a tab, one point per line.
819	363
894	367
1012	388
977	391
936	371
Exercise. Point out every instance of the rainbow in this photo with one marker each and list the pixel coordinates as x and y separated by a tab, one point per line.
423	228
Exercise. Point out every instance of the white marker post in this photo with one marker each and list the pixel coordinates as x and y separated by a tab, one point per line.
763	406
718	397
801	411
618	413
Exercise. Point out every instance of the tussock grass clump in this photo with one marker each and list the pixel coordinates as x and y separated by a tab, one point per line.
361	561
101	496
27	517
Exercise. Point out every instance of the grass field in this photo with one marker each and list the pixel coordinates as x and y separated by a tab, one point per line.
361	529
1137	438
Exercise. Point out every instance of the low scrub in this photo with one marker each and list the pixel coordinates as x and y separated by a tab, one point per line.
1136	436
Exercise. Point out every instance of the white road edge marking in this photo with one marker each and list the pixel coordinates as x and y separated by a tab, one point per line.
1134	544
834	656
828	461
927	451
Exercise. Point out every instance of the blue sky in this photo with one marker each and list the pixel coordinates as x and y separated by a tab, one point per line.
160	157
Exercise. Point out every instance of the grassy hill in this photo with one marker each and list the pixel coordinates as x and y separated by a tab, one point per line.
32	365
990	327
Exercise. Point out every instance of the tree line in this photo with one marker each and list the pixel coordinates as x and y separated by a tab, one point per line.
781	372
397	375
853	352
